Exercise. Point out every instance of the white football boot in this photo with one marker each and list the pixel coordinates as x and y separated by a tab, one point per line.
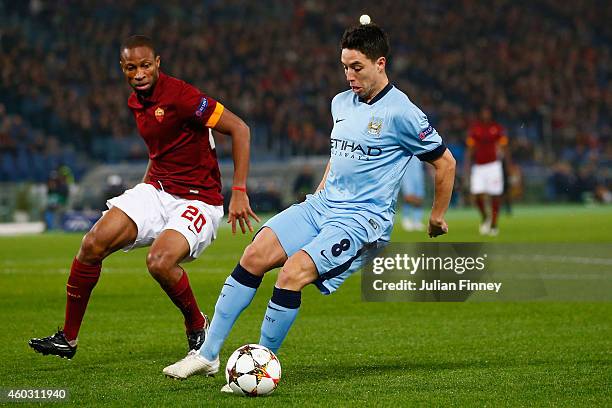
192	364
418	226
407	224
485	227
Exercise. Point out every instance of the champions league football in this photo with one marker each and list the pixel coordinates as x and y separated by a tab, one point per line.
408	202
253	370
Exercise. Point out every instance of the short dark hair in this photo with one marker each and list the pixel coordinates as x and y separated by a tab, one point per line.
369	39
135	41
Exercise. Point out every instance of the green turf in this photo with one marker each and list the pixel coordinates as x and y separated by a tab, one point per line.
341	351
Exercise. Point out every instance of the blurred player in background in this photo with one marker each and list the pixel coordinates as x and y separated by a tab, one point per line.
486	143
325	239
178	206
413	194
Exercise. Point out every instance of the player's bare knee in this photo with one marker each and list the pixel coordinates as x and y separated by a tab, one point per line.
92	251
255	259
294	275
252	258
290	279
159	265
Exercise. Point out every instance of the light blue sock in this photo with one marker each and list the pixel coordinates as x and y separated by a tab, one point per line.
280	315
406	211
236	294
417	214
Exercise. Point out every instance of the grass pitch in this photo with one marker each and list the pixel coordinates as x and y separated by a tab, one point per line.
340	352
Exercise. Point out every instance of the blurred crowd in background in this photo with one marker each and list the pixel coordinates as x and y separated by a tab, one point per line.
544	67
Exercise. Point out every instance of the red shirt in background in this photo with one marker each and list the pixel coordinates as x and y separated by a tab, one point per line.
484	139
174	123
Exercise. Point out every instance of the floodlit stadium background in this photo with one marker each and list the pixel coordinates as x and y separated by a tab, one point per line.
68	141
544	67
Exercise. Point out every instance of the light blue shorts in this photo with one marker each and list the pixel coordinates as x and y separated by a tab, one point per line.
413	182
337	244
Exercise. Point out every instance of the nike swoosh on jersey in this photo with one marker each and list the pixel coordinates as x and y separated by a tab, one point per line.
340	120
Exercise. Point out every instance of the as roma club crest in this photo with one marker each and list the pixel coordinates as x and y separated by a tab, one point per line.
375	126
159	114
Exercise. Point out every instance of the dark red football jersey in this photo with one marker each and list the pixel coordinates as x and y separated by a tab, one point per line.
174	123
484	139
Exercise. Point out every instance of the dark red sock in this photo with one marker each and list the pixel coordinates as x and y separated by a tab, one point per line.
182	296
495	201
82	280
481	206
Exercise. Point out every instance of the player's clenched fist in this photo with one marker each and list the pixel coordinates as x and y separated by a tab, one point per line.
437	227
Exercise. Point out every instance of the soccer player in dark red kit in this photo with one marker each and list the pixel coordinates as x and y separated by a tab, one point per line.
486	143
177	208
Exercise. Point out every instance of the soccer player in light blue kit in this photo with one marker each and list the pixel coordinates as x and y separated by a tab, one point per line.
323	240
413	193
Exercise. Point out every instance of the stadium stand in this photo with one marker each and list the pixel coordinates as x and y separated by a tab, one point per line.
544	66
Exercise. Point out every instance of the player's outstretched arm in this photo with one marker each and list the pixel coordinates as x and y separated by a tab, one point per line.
239	207
444	180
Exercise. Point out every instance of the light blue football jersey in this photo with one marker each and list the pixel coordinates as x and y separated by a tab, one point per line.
371	144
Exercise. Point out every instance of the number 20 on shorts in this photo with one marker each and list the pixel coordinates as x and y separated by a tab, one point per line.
193	214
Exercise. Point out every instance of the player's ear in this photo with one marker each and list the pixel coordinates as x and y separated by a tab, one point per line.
381	62
157	61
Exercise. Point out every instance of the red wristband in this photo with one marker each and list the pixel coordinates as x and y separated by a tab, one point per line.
238	188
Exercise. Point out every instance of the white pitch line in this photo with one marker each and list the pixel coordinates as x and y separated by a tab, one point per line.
581	260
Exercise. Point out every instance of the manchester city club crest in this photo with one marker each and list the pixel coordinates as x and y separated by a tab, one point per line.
159	114
375	126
